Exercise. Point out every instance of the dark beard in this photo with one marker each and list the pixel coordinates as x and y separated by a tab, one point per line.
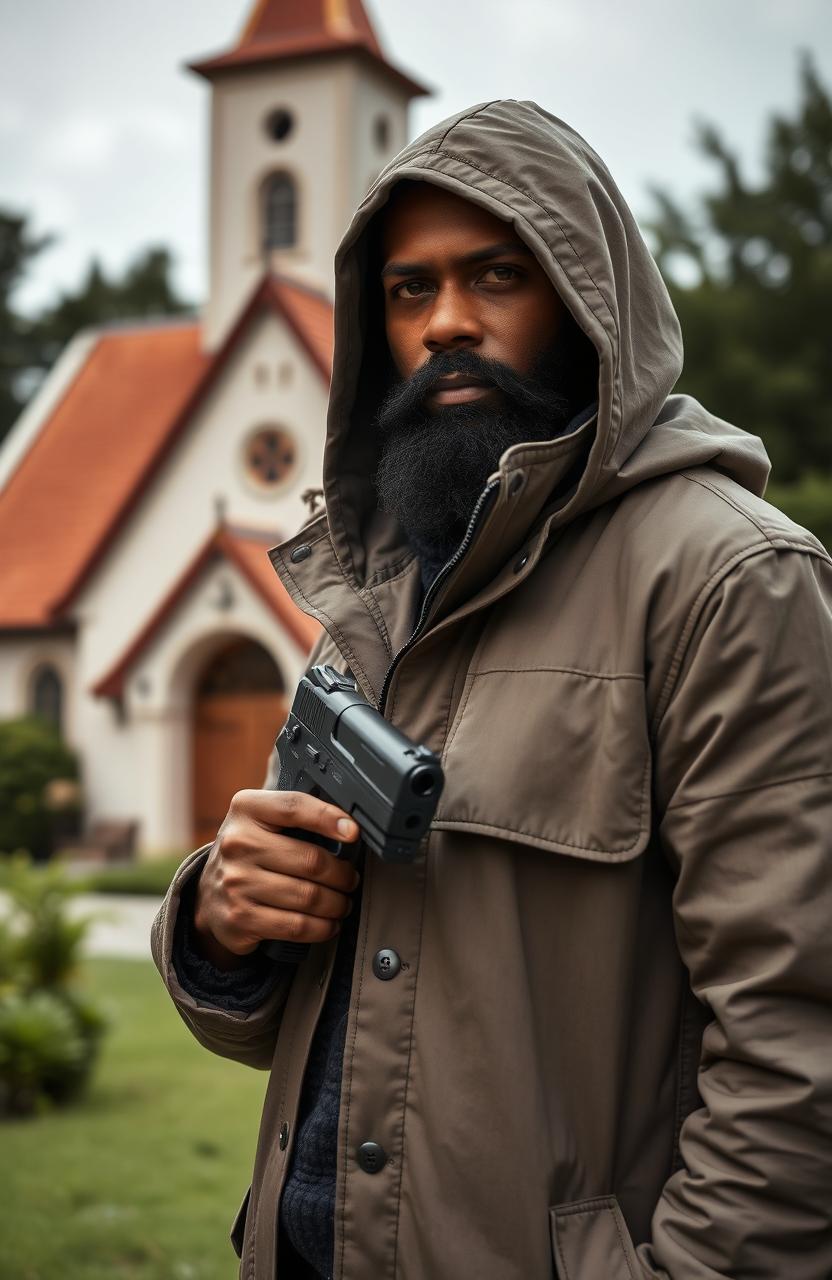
434	466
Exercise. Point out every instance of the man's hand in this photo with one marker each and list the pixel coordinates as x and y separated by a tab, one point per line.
259	883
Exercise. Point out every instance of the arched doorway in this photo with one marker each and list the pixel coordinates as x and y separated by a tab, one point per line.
239	708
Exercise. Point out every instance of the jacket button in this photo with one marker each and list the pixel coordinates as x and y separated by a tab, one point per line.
300	553
386	964
372	1157
522	562
283	1136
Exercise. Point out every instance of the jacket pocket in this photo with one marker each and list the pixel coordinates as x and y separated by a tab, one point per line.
590	1241
555	758
238	1226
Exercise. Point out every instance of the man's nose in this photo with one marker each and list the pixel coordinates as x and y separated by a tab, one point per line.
453	321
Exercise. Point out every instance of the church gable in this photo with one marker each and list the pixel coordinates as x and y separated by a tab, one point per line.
250	448
110	434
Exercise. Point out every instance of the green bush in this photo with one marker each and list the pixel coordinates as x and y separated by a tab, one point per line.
32	757
48	947
49	1032
150	876
42	1052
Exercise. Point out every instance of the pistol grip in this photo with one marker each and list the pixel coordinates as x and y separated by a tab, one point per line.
295	952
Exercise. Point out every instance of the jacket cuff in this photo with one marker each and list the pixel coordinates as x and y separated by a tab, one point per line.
242	988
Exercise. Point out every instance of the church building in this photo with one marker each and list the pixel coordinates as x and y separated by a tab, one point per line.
143	485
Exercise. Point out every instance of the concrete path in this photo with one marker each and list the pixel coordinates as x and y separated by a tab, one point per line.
122	923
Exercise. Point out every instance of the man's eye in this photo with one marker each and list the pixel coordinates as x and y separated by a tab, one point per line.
410	289
499	273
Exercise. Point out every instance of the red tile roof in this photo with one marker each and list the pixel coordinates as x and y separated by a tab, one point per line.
247	549
309	315
82	466
283	29
107	438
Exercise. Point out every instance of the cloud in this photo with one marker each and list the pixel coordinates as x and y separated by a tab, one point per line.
160	128
82	142
11	118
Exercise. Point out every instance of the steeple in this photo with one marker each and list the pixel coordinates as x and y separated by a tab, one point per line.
306	109
283	29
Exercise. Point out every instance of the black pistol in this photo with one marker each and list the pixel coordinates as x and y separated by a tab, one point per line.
337	746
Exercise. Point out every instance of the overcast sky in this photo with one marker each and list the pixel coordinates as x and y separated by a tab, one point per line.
103	133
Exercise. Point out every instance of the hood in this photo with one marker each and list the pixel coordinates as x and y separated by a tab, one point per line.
535	172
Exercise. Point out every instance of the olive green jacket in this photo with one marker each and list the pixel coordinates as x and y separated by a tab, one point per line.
608	1052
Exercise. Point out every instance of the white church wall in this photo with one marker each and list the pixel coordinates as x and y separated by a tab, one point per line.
163	536
374	100
332	152
144	772
178	513
243	155
20	658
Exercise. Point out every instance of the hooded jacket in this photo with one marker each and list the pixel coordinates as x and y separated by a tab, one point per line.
607	1052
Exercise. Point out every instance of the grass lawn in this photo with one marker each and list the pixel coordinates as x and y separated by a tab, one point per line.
142	1178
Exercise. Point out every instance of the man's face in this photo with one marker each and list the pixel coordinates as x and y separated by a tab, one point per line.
456	278
486	357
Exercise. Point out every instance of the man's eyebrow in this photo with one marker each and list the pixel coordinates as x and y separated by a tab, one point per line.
479	255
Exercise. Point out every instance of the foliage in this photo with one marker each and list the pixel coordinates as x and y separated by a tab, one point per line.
49	1032
31	757
41	1051
141	1176
150	876
19	343
49	946
144	290
757	323
29	346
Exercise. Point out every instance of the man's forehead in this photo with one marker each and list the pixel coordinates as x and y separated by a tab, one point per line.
423	212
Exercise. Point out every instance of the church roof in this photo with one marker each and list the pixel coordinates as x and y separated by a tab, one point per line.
281	29
106	438
247	550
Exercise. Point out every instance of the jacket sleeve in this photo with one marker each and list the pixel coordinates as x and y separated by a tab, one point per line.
247	1037
743	774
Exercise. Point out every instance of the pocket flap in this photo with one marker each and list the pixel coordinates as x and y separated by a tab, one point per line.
590	1240
553	758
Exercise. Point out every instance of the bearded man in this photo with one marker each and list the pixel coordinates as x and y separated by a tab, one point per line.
587	1033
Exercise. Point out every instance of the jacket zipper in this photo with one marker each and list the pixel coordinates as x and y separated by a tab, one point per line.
431	593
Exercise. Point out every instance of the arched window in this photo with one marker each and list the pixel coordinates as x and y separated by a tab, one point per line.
279	212
47	695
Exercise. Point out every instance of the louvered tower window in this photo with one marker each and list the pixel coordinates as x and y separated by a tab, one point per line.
280	212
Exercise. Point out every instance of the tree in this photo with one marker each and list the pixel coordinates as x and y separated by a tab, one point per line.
143	291
28	348
757	321
19	344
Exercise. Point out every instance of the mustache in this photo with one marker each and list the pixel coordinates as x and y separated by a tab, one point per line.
529	392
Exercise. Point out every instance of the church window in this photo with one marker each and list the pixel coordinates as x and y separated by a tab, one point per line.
279	124
47	696
270	456
381	132
280	212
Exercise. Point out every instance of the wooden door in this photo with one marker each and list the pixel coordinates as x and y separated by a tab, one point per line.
234	728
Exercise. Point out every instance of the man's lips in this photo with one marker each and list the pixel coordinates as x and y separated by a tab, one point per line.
458	388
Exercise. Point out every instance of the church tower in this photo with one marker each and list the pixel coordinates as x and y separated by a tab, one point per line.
305	112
